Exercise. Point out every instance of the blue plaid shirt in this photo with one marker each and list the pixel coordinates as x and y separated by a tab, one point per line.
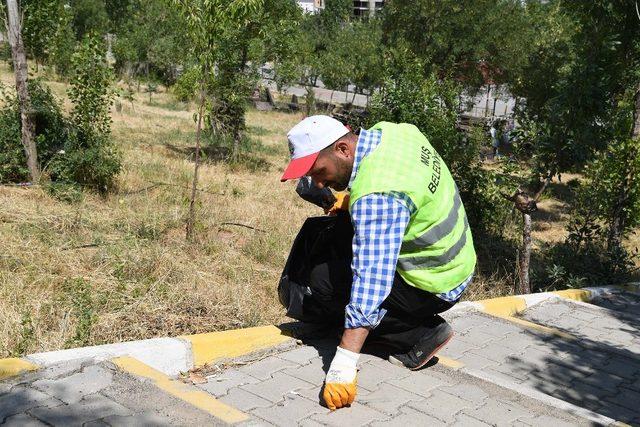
379	222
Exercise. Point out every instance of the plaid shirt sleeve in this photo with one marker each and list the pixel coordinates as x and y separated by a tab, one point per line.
379	222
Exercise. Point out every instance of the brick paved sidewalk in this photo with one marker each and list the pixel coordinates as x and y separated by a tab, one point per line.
560	363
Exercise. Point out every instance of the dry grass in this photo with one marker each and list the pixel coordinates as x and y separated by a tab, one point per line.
139	278
119	268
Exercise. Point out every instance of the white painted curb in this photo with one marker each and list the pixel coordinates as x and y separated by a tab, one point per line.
168	355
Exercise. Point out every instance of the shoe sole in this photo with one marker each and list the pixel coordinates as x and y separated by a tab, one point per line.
396	362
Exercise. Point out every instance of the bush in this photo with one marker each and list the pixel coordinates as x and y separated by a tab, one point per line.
406	96
50	126
72	151
186	86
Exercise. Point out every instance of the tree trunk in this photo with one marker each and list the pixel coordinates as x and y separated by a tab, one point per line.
21	72
635	133
191	219
614	238
486	104
525	256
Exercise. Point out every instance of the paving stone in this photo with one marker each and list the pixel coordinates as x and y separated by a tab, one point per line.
265	368
456	348
547	310
547	421
137	420
355	415
469	392
511	369
308	422
620	413
474	361
289	411
515	341
388	398
22	420
410	417
501	328
75	387
495	352
91	408
627	398
463	324
603	381
478	338
441	405
276	388
422	382
311	373
465	420
219	385
497	412
244	400
302	355
372	375
23	398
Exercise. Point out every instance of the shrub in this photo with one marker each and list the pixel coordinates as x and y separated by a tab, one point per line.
186	86
50	126
406	96
73	151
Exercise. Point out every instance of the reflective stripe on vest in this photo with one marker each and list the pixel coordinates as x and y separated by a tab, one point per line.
438	231
413	263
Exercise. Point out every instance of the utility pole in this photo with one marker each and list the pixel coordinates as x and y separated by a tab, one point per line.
14	31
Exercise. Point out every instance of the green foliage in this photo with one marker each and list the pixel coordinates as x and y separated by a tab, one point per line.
585	58
91	91
78	293
71	151
430	104
50	126
90	158
145	49
462	39
89	16
48	32
27	336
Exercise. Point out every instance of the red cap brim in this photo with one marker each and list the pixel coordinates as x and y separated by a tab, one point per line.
299	167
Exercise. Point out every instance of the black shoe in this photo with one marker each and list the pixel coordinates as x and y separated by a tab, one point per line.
425	349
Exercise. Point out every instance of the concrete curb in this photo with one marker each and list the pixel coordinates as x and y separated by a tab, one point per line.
174	355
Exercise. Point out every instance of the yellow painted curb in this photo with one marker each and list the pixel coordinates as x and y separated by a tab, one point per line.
185	392
449	363
13	366
574	294
503	306
209	347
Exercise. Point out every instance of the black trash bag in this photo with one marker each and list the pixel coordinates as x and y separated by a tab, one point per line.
321	240
319	197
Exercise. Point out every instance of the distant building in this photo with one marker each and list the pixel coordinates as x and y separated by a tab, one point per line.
311	6
366	7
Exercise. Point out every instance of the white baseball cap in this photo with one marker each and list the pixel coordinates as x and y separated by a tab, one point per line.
306	139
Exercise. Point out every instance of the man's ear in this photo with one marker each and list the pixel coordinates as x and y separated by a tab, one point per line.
343	148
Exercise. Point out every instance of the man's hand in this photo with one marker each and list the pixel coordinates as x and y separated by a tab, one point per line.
340	385
341	204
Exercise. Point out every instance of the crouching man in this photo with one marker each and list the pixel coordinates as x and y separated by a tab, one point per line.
412	250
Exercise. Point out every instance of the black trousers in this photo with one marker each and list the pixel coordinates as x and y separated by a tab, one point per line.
411	312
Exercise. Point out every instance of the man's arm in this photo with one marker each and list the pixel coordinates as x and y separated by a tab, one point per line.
353	339
379	222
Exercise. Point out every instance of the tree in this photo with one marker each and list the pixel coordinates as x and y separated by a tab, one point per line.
89	16
144	48
14	31
467	40
206	23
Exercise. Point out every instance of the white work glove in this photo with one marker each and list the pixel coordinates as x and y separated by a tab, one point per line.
340	384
